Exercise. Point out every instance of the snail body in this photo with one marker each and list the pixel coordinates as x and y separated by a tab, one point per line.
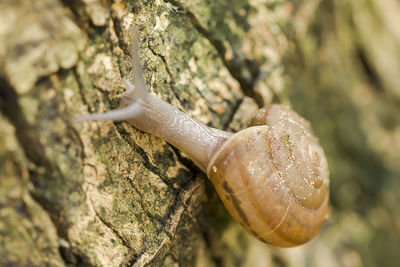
272	177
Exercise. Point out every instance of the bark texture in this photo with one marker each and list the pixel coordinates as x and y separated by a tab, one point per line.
107	194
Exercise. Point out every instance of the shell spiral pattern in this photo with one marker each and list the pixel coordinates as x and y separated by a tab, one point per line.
273	178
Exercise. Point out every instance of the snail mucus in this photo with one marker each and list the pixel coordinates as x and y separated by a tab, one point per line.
272	176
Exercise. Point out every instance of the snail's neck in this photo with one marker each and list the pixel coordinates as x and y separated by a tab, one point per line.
195	139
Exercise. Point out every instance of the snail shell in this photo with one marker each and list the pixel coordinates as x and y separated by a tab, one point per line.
273	178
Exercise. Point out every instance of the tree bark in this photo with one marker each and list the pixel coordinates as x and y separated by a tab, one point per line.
107	194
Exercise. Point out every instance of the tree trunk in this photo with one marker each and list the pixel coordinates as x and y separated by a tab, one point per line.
107	194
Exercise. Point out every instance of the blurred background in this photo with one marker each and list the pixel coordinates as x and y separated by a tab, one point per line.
350	89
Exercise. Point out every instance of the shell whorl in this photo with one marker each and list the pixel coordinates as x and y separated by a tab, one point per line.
273	178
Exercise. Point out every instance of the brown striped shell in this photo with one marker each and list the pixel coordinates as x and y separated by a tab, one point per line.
273	178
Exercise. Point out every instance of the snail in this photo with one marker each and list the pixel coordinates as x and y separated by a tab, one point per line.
272	176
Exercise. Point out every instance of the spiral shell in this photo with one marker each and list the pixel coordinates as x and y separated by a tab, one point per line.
273	178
